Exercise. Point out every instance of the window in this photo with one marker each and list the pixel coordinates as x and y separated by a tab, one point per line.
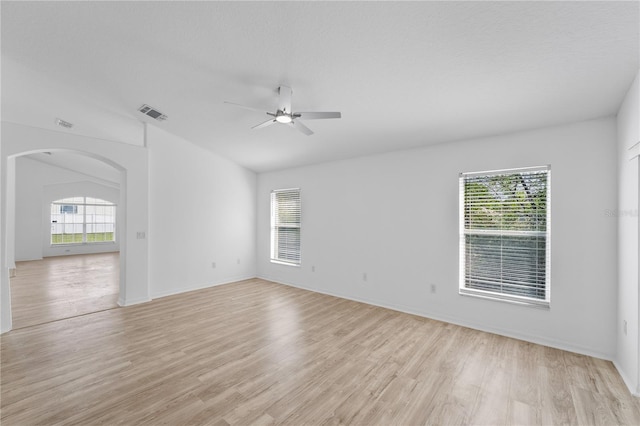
81	220
65	208
285	226
504	235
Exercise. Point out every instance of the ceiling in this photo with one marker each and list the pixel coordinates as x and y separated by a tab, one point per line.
403	74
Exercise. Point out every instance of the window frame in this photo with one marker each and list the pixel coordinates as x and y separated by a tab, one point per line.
62	205
275	255
463	232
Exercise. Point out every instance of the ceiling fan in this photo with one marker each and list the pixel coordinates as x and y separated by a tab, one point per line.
284	114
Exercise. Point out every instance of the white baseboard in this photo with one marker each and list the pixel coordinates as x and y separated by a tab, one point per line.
634	388
228	280
131	302
514	334
29	259
4	328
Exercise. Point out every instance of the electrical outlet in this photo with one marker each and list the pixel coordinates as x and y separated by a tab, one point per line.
140	235
624	327
238	261
364	276
433	288
313	268
213	265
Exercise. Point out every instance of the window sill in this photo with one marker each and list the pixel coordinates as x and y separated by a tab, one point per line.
280	262
540	304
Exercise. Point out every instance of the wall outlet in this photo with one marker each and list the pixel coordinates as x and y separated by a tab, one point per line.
213	265
313	268
364	276
624	327
433	288
238	261
140	235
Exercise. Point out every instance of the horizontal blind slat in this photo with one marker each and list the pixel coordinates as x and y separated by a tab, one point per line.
285	205
504	226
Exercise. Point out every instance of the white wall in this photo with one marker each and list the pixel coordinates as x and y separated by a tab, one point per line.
37	185
202	210
132	163
395	217
628	351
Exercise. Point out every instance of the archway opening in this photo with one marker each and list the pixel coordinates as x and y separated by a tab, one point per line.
66	263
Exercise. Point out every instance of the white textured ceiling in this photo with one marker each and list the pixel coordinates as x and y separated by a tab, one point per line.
403	74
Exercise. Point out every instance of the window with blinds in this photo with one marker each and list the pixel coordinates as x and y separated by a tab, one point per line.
505	235
285	226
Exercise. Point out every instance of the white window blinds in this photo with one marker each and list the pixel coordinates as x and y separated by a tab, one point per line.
285	226
504	235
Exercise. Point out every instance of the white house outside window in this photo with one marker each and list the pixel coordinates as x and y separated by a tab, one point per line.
82	220
505	235
285	226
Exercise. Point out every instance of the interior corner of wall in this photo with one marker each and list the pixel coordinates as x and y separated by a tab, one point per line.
634	388
145	126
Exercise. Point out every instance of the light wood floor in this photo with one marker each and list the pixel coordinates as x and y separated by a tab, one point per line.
256	352
62	287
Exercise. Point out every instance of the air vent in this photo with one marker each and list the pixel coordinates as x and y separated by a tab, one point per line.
63	123
152	112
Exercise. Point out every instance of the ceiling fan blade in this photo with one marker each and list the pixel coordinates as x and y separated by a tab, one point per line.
301	127
284	103
244	106
265	124
317	115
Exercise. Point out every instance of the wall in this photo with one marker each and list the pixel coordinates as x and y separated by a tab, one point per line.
37	185
628	350
202	210
395	217
130	160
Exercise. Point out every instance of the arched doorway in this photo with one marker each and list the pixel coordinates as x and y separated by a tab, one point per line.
66	237
132	164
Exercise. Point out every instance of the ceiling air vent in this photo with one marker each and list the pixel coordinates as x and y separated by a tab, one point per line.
152	112
63	123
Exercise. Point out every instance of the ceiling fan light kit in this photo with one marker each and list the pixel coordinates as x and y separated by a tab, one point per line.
283	118
284	114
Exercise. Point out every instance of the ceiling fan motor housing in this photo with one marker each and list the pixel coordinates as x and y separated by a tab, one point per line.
284	114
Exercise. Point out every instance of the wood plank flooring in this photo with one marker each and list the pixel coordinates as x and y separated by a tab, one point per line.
257	352
62	287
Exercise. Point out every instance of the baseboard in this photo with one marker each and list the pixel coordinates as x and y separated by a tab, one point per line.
4	329
29	259
540	340
228	280
131	302
634	388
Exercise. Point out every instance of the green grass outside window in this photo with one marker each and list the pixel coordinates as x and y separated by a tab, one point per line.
98	237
